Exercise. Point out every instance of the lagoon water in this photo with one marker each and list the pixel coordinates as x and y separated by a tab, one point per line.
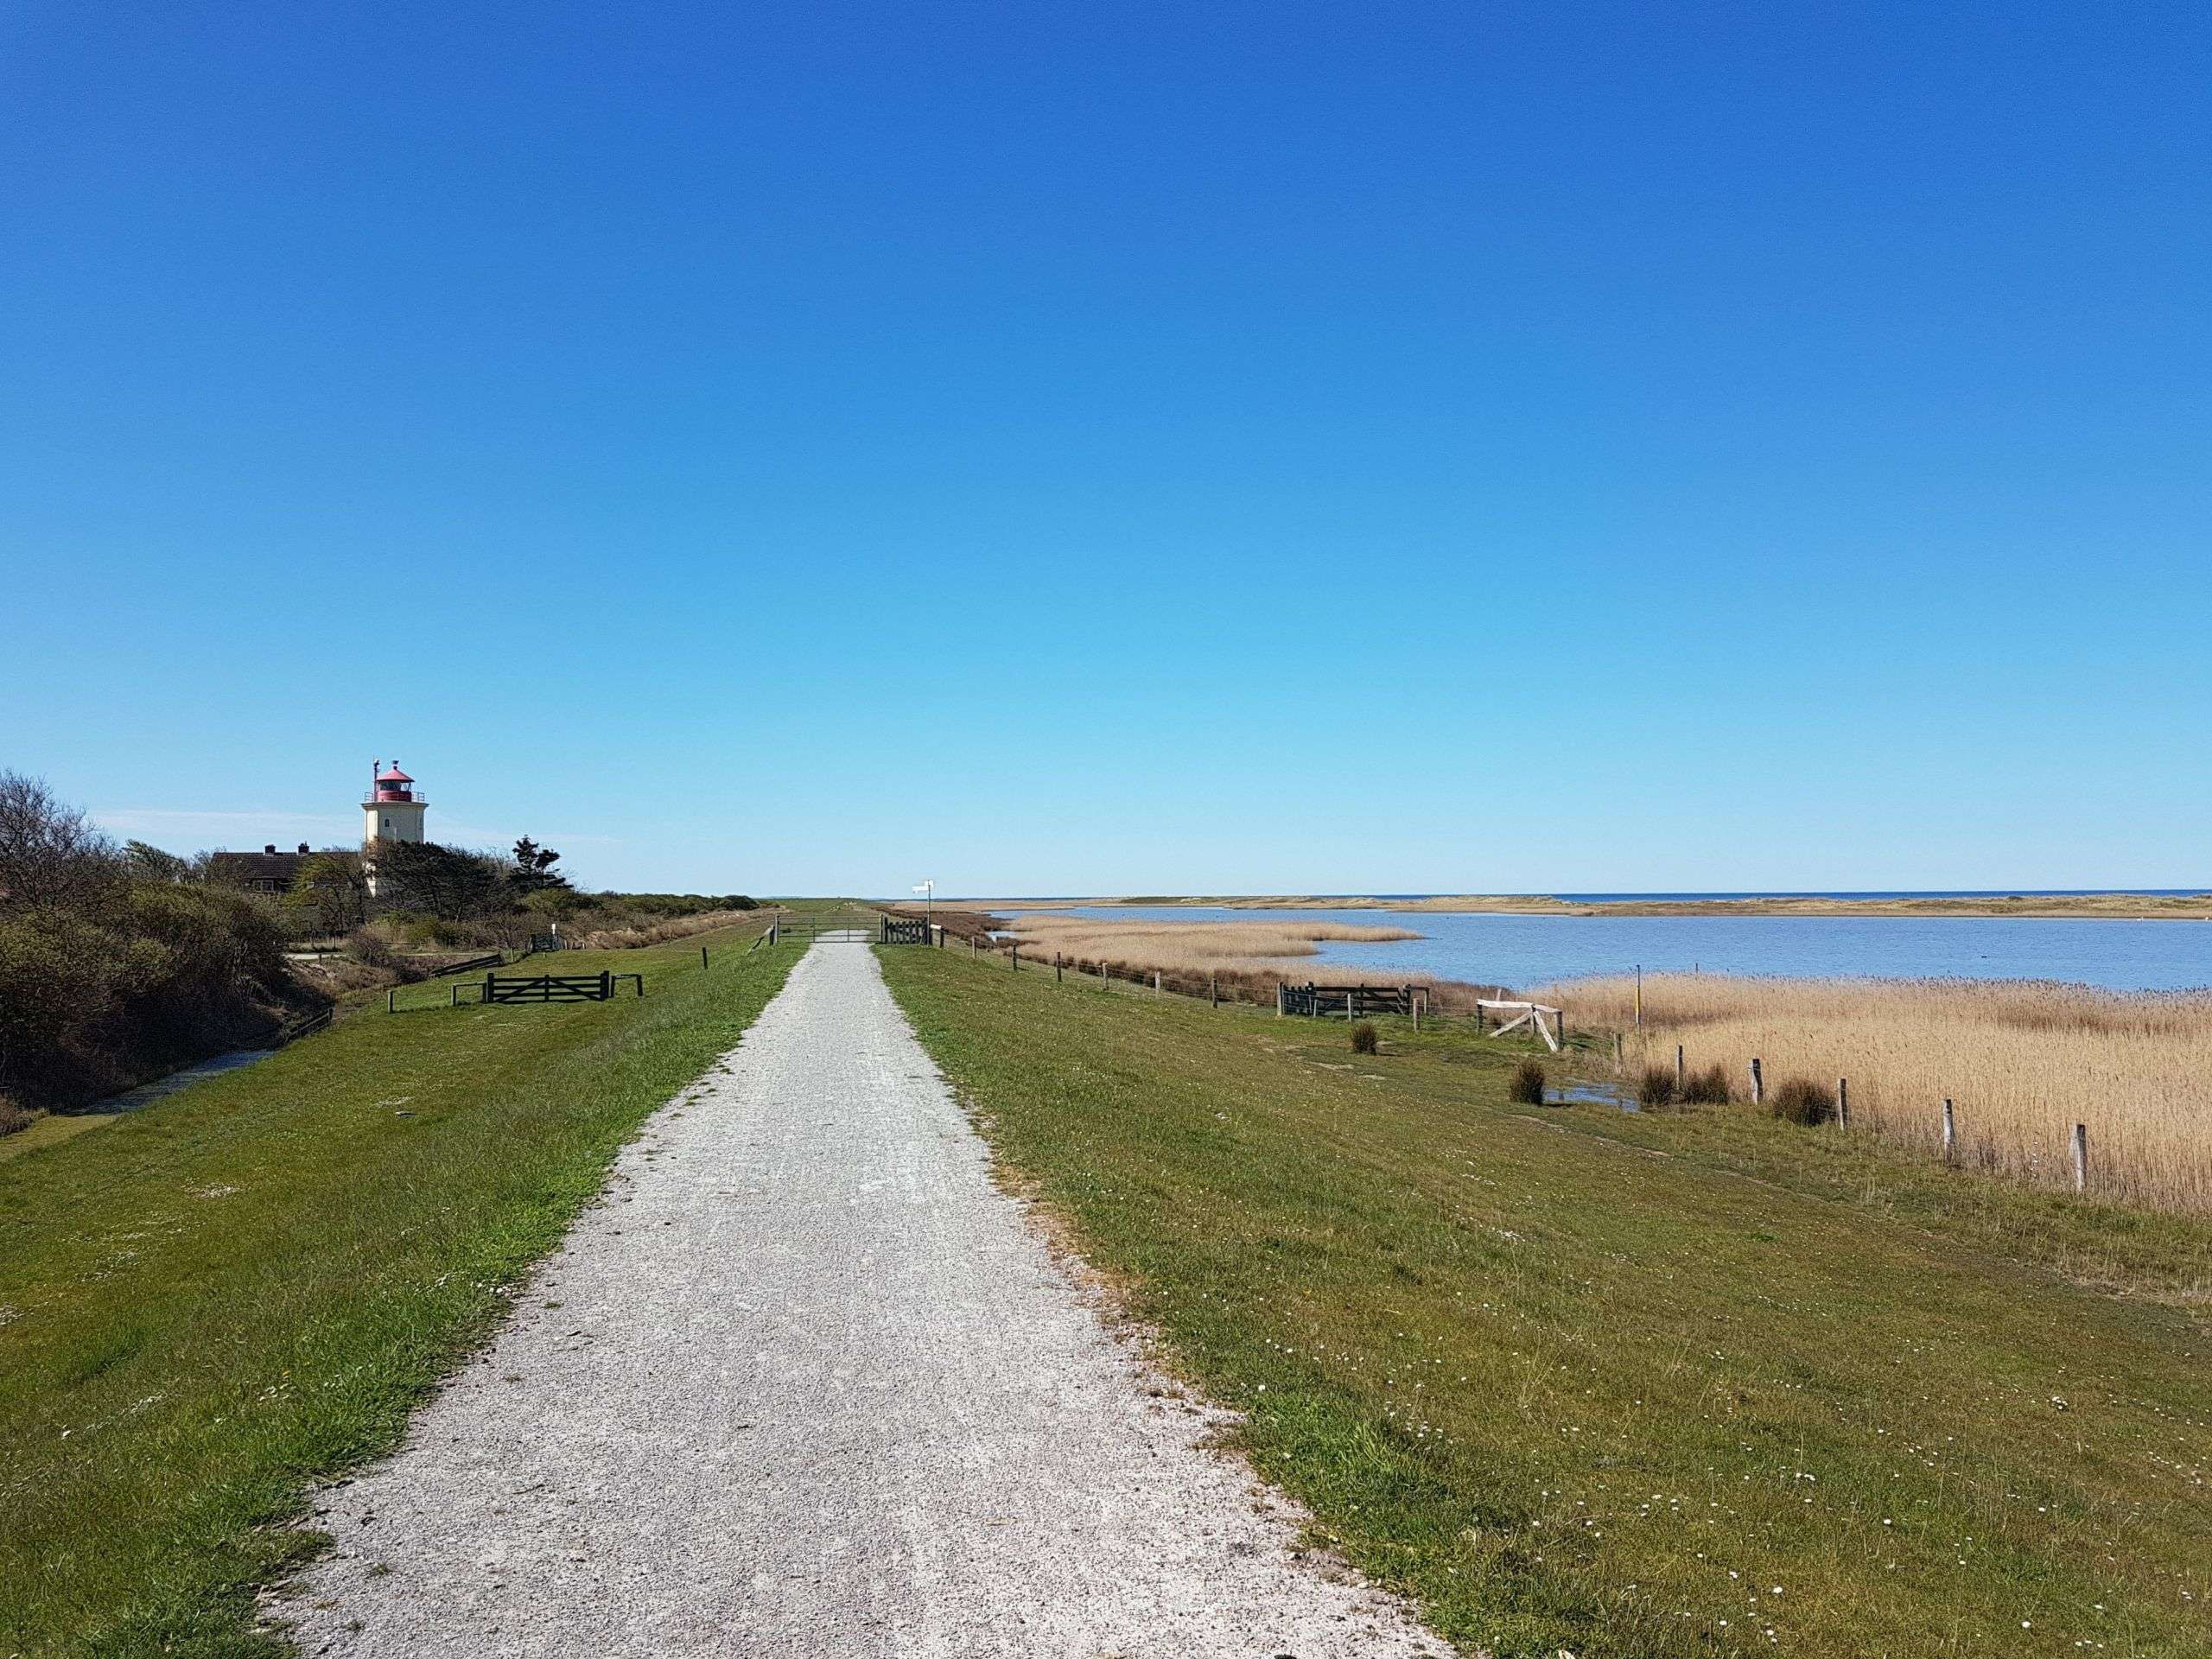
1525	950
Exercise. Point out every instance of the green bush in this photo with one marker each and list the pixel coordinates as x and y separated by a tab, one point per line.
1798	1100
1364	1040
1528	1086
1656	1087
107	977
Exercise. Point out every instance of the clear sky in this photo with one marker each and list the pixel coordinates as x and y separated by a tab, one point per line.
1138	447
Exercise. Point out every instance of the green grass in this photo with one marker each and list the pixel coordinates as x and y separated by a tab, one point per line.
50	1131
1578	1380
217	1301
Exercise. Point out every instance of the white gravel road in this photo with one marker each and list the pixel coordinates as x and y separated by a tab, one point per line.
806	1384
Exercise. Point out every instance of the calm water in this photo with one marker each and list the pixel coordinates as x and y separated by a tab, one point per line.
1524	950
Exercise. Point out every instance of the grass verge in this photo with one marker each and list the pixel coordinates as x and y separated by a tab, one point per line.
1574	1386
219	1300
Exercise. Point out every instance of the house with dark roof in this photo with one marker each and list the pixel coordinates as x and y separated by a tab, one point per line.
266	871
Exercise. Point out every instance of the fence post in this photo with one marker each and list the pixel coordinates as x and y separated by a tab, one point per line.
1055	968
971	947
2081	1157
1843	1103
606	985
1017	958
1758	1083
1950	1131
487	988
1414	997
454	1000
1278	999
391	999
1678	1070
1213	991
702	956
1155	981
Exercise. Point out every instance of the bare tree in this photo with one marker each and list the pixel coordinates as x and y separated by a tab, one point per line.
51	856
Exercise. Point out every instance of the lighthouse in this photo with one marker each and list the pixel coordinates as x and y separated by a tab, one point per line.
393	811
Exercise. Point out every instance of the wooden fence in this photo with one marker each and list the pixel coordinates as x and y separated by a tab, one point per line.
894	931
306	1026
1351	1001
496	959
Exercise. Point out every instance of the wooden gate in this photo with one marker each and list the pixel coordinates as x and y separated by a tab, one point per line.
554	987
828	927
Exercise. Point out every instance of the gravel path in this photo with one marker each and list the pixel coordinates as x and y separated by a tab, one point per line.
808	1384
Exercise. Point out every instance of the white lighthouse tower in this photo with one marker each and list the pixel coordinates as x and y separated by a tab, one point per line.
393	811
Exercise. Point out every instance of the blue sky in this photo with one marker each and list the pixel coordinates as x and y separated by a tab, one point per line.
1145	448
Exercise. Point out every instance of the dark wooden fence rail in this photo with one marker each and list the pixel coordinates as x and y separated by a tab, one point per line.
306	1026
496	959
901	932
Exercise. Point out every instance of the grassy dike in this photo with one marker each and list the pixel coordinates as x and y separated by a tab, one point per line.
213	1303
1670	1386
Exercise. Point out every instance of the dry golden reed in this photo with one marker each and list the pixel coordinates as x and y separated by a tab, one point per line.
2022	1062
1197	946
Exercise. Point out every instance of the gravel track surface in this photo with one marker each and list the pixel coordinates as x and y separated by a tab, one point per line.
807	1383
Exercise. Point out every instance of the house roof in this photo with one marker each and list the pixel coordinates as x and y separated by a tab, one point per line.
254	867
394	776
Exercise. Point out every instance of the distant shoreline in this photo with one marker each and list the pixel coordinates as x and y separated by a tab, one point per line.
2084	906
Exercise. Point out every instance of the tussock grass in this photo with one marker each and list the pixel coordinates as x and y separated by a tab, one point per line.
1603	1382
2024	1061
1363	1038
1527	1085
215	1302
1708	1087
1801	1101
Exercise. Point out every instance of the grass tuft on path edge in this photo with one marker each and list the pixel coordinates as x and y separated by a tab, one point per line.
210	1305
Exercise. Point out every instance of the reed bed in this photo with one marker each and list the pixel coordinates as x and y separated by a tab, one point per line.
631	936
2022	1061
1179	945
1241	961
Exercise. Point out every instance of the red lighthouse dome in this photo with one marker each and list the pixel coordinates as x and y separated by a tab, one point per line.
393	784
